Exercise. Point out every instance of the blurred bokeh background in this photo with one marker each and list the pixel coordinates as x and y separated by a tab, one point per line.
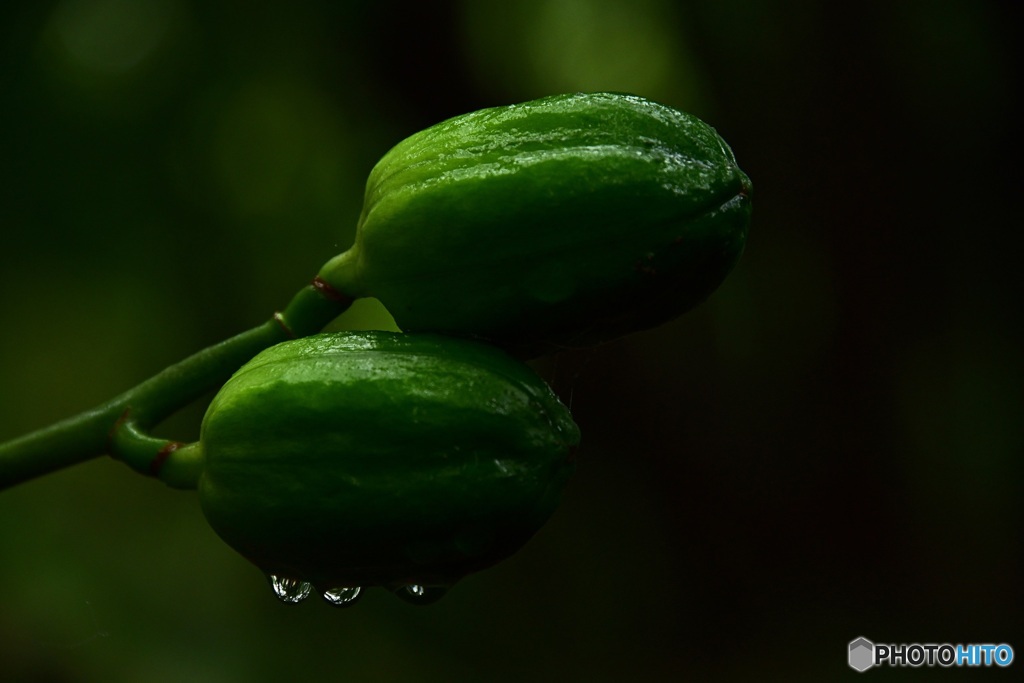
830	447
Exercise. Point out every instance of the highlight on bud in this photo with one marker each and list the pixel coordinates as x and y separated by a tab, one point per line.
563	221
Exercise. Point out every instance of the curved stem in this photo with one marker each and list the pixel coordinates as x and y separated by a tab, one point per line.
177	464
89	434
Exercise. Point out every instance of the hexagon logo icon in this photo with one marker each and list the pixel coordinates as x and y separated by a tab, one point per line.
862	654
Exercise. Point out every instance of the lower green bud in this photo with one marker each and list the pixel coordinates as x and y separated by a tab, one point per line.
402	460
563	221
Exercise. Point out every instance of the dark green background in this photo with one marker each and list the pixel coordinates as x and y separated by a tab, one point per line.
830	447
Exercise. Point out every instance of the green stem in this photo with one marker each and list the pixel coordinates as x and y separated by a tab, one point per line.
89	434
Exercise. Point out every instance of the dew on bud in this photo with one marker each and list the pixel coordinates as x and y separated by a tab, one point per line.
421	595
344	596
290	590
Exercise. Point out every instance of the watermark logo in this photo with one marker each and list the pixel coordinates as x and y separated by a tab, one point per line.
864	654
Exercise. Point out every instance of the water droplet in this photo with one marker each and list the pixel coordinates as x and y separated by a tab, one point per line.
343	597
290	590
421	595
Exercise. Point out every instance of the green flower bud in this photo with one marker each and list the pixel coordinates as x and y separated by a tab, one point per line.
567	220
375	458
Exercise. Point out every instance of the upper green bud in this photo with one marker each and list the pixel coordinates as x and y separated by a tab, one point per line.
562	221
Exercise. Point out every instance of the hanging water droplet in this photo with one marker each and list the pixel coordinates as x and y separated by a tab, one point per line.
421	595
343	597
290	590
